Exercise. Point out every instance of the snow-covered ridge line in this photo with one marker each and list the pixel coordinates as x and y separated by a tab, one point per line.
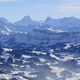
26	24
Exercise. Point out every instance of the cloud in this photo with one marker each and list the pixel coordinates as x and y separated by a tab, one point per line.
8	0
72	7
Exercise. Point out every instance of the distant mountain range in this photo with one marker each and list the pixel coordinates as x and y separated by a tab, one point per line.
27	24
29	32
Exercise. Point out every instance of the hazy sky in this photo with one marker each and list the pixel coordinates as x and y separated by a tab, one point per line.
38	9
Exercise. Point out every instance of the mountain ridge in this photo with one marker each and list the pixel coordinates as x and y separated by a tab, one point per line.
26	24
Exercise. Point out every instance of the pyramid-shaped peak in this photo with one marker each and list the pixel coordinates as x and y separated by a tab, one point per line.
27	18
3	19
49	18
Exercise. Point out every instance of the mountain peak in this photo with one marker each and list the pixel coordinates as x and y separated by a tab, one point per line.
3	19
27	18
49	18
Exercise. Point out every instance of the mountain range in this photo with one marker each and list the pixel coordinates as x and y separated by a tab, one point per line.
48	32
40	50
26	24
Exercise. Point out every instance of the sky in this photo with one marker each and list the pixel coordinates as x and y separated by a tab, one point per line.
14	10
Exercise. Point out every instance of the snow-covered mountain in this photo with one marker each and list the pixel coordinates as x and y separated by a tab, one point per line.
5	26
66	23
32	32
26	24
26	21
59	62
33	50
39	37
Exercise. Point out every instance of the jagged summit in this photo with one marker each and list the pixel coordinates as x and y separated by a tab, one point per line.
27	24
4	20
25	21
27	18
49	18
